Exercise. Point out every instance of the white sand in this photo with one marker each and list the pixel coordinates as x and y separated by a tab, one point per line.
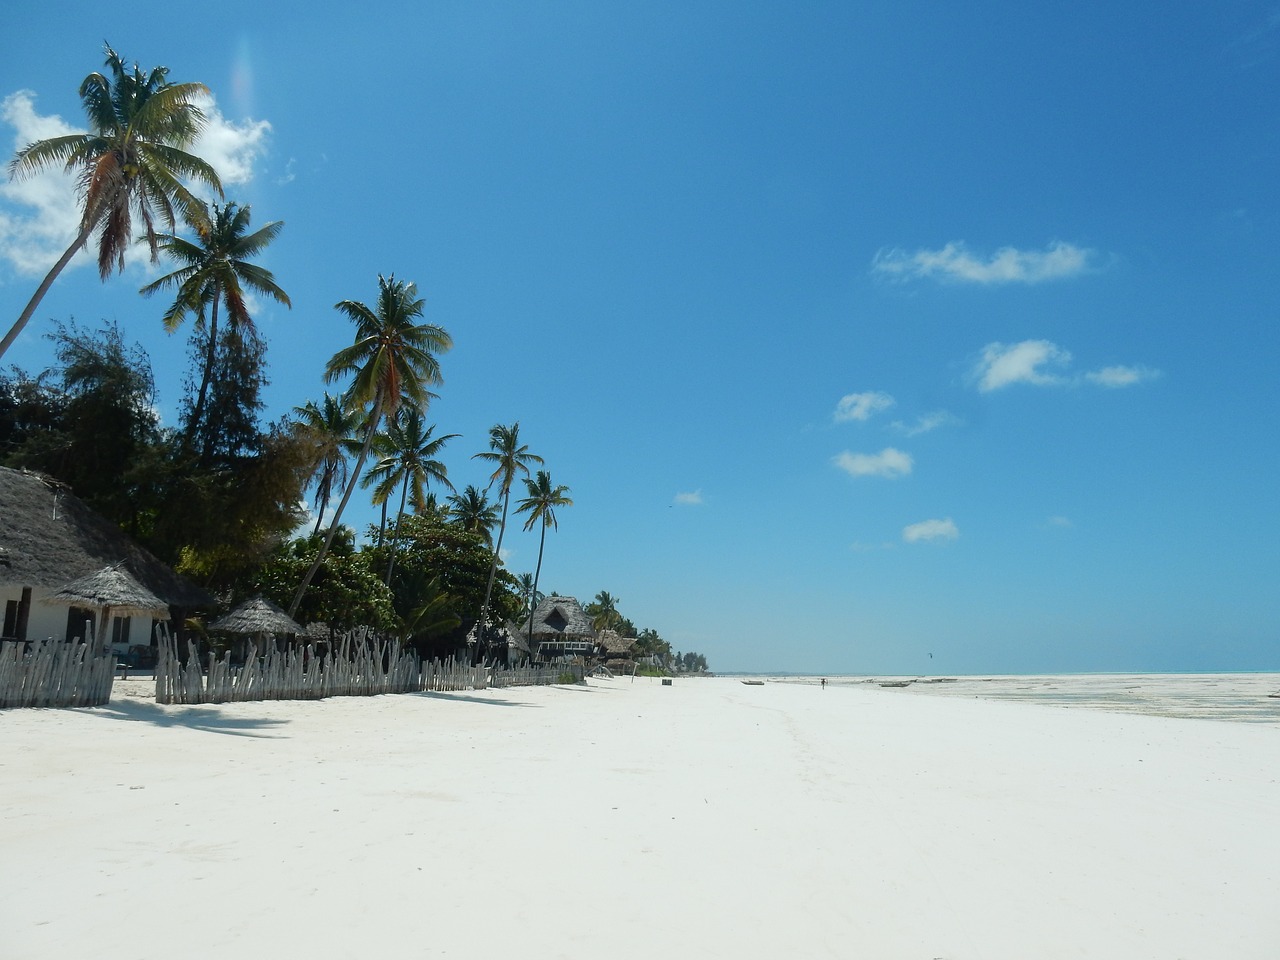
705	819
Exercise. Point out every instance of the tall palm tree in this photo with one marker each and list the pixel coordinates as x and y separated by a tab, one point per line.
131	162
511	458
409	463
214	272
541	504
529	591
331	429
472	511
393	361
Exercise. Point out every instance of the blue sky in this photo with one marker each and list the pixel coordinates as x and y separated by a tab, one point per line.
887	337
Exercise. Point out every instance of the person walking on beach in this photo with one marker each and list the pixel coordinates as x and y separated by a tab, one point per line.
824	683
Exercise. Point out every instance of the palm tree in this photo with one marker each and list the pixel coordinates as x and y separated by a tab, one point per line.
472	511
511	458
393	361
541	506
529	590
409	462
604	611
331	429
131	162
215	272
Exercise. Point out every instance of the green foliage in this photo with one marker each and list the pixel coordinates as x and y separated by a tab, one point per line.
348	592
567	676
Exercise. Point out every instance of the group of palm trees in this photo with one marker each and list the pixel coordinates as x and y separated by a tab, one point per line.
134	165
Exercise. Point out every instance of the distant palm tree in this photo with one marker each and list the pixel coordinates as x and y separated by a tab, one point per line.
472	511
331	430
132	162
409	463
541	504
511	458
393	361
604	611
215	271
529	591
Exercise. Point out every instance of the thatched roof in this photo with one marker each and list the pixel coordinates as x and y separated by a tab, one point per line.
49	537
256	615
110	587
616	645
559	618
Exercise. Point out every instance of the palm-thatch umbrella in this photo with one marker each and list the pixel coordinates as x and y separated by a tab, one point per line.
112	592
256	617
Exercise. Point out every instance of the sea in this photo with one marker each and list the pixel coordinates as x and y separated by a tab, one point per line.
1234	697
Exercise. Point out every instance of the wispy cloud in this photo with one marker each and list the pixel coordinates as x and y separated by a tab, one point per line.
1007	265
927	530
1001	365
861	406
1120	376
1044	364
692	499
926	423
889	462
1057	522
39	215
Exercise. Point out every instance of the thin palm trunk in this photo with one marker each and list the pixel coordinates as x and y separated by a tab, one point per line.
201	396
395	536
333	527
537	572
76	245
493	571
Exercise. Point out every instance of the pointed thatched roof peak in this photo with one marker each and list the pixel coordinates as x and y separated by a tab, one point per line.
110	587
559	618
257	615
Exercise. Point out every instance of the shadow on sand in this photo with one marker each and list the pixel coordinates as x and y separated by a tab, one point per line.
208	719
459	697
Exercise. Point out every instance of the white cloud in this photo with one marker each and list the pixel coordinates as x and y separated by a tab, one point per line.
887	463
1003	364
1120	376
927	530
1058	522
230	148
39	215
926	423
693	499
861	406
1006	265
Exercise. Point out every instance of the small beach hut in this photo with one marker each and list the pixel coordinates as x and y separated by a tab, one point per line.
259	618
108	593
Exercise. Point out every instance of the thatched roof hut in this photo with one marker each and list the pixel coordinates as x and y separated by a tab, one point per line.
48	537
560	627
111	590
616	646
257	615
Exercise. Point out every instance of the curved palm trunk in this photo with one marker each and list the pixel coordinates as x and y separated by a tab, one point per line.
333	527
395	536
209	355
76	245
537	572
493	571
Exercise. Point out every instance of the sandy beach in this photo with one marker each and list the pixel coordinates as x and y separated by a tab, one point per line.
626	819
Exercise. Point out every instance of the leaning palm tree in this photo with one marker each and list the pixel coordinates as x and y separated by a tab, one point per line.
541	504
511	458
393	361
330	429
409	463
215	271
472	511
131	162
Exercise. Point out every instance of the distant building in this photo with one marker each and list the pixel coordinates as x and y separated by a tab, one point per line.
561	628
48	539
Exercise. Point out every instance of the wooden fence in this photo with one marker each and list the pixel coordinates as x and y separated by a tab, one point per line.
357	666
56	673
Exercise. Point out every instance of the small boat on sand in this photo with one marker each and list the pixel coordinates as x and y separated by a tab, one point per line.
754	683
896	683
